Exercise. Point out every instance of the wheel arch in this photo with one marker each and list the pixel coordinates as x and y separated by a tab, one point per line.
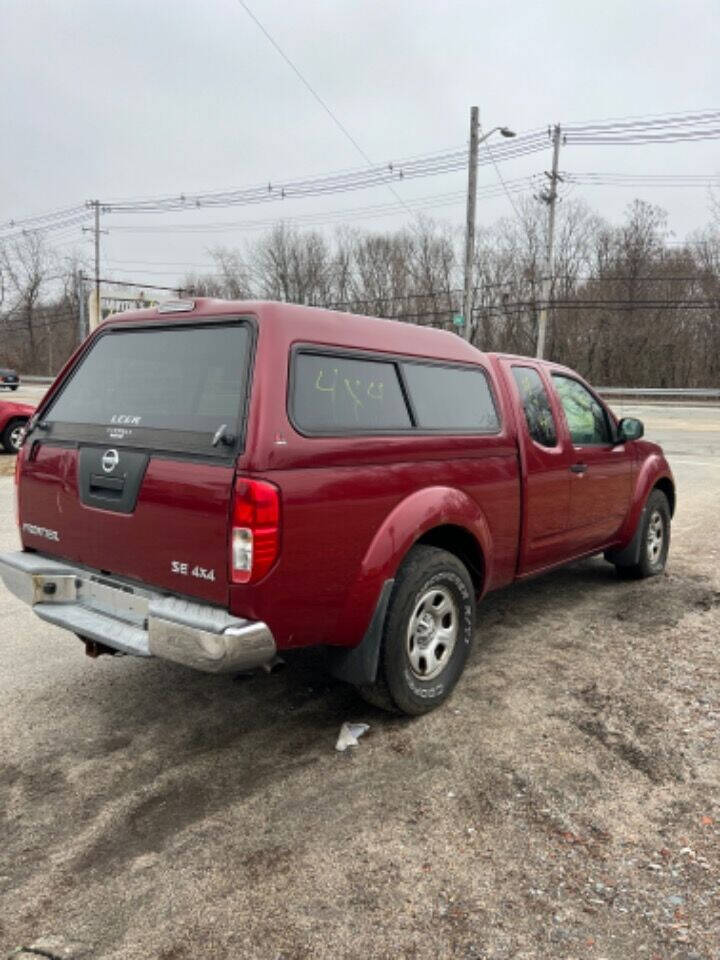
666	485
629	554
435	516
462	544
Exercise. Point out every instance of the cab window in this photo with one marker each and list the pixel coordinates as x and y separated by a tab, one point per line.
586	418
536	405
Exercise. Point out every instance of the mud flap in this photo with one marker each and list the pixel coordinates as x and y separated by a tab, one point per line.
358	665
629	555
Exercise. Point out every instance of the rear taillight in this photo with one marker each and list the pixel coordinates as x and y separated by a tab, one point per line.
255	531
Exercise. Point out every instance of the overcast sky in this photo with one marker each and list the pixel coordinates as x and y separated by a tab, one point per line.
149	97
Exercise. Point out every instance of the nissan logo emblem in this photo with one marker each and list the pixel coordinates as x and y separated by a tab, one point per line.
110	459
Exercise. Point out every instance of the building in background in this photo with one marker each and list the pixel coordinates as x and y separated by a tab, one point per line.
116	300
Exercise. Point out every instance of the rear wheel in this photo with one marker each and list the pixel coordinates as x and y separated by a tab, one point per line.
12	435
428	633
654	539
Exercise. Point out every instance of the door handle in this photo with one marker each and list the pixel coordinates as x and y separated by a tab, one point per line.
578	468
99	482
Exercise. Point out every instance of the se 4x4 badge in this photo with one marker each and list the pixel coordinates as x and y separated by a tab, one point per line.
185	570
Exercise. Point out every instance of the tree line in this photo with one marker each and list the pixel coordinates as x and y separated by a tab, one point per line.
628	306
39	306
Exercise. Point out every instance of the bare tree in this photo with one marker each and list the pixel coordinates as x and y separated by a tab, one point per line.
627	306
26	265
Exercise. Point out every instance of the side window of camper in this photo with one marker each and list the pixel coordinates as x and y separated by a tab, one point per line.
332	394
451	398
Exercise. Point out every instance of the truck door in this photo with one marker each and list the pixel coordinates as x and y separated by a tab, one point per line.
546	472
600	472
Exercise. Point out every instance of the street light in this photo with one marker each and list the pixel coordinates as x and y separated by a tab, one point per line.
475	142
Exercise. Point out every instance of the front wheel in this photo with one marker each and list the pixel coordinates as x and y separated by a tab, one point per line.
12	435
428	633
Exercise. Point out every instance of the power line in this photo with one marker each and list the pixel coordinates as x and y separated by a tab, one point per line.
664	128
507	308
31	223
626	138
378	174
22	228
650	121
429	165
624	307
141	286
212	274
163	263
502	181
360	178
620	302
643	179
346	133
317	97
517	185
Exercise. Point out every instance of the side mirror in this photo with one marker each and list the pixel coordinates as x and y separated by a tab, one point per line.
630	429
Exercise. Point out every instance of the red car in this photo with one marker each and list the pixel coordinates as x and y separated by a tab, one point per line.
214	482
13	417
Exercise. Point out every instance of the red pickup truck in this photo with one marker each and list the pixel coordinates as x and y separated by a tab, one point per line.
214	482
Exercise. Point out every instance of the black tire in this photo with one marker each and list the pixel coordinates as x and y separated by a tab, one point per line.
15	386
654	539
427	635
9	437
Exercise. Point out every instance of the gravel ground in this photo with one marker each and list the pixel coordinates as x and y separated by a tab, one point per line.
564	804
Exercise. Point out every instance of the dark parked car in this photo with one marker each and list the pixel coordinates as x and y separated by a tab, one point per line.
9	379
213	482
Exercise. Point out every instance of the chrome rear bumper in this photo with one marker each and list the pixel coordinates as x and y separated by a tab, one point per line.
136	620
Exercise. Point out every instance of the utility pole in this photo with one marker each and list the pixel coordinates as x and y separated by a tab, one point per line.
80	296
95	229
470	220
97	261
550	198
475	141
49	343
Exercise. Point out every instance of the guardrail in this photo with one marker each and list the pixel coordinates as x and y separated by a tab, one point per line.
691	393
